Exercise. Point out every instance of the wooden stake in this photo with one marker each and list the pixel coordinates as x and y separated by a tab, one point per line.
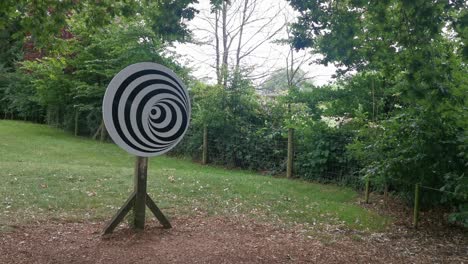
205	146
77	113
97	131
367	190
290	164
103	131
386	194
416	205
159	215
119	216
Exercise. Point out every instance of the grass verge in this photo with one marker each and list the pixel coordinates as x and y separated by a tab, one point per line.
46	174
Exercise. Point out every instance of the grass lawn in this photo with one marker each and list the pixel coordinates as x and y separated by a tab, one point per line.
48	174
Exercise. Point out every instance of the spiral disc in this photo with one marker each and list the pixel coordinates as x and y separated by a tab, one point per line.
146	109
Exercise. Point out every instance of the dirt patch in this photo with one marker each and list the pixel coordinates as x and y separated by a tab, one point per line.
204	239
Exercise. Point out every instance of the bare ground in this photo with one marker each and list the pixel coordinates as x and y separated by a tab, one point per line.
203	239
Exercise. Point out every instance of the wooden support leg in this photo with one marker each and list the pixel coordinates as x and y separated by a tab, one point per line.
159	215
118	217
138	201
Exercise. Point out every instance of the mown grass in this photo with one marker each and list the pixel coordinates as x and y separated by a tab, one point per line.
46	174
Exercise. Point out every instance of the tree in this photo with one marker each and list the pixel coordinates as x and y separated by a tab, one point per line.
278	83
417	50
395	37
234	31
41	23
70	77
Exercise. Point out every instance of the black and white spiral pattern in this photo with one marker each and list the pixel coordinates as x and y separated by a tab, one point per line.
146	109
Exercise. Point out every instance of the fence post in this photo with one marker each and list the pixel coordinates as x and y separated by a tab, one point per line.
289	168
77	113
416	205
103	133
386	194
367	190
205	145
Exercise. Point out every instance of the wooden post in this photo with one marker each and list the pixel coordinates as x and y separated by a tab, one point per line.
57	117
386	194
367	190
103	132
119	216
138	200
205	145
77	113
157	212
141	172
47	117
416	205
290	164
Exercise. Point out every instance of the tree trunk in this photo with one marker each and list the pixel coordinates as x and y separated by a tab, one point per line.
224	67
373	101
241	31
218	55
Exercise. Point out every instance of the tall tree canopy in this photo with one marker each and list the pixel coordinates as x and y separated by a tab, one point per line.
78	47
423	42
416	52
42	22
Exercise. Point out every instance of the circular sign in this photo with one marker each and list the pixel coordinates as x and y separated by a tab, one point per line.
146	109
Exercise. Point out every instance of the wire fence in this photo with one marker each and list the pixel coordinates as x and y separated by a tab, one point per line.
322	159
420	191
253	147
325	160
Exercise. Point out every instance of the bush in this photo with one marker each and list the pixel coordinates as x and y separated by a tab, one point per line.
417	146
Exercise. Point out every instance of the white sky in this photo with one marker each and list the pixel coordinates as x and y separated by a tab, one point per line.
266	58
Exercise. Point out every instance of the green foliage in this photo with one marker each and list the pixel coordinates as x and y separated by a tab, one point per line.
363	35
240	130
460	217
43	21
48	77
321	154
410	90
413	147
166	18
73	74
18	96
277	83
